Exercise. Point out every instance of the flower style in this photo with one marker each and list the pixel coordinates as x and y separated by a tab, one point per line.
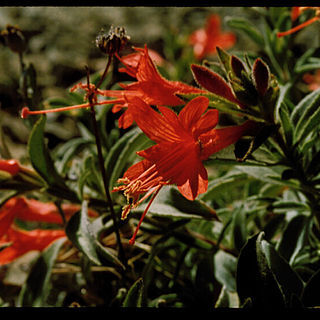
182	143
313	81
22	241
206	40
11	166
295	13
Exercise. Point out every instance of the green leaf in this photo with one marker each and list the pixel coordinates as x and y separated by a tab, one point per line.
293	238
223	184
306	115
268	174
197	207
37	287
124	152
134	295
79	231
286	124
225	266
40	157
288	280
239	230
255	280
246	27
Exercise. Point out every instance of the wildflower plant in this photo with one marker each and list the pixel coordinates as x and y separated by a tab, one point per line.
175	193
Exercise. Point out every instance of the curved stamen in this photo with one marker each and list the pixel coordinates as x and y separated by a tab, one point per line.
133	238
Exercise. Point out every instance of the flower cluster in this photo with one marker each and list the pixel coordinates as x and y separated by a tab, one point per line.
184	140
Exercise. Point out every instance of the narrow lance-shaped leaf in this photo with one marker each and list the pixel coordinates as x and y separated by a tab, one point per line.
255	280
246	27
134	296
306	115
40	157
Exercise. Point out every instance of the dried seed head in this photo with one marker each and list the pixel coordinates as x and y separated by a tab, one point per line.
112	42
14	38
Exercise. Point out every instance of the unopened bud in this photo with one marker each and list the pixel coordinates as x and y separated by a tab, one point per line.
112	42
14	39
261	76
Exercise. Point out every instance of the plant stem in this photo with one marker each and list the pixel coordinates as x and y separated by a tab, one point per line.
101	164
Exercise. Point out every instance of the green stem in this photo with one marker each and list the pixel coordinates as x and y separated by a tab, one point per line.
101	164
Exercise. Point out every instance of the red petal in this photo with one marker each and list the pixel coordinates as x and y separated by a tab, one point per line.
125	120
213	26
295	12
24	241
225	41
196	184
151	122
218	139
137	169
192	112
206	123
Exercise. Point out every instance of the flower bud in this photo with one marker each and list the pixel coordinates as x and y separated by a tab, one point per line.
112	42
261	76
14	39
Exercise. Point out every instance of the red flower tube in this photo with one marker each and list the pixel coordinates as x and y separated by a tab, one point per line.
11	166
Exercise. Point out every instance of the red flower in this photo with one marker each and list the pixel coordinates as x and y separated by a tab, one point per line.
313	81
30	210
11	166
151	87
206	40
183	142
25	241
295	13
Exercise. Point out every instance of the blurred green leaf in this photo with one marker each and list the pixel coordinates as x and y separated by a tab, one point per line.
239	228
246	27
306	115
225	266
285	122
37	287
134	295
